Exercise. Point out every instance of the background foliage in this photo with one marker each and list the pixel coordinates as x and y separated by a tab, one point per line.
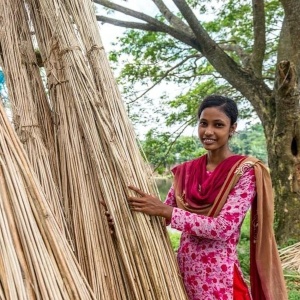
163	151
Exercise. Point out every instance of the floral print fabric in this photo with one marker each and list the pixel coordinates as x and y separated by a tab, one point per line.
207	252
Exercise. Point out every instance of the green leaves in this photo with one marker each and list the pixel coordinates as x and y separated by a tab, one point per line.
148	55
163	151
250	141
159	71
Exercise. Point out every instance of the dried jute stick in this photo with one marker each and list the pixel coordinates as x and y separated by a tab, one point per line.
290	257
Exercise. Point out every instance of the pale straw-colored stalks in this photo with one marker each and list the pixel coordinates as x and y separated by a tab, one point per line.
146	253
93	244
97	157
290	257
36	262
25	90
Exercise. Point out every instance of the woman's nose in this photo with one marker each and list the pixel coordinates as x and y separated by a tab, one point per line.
208	131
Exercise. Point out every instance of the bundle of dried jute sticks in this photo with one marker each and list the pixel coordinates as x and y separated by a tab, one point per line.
93	244
26	92
36	260
91	150
290	257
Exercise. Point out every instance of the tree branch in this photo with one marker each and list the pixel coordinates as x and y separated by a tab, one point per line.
242	80
285	43
125	24
165	75
259	28
245	58
292	19
171	18
196	27
131	12
177	33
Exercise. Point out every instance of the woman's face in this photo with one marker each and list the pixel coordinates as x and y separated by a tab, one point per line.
214	129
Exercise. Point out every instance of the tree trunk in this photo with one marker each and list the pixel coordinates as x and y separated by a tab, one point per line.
283	142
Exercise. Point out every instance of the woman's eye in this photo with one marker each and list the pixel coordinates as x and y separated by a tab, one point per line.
219	125
202	124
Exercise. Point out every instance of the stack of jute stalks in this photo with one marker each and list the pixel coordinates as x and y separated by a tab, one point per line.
93	244
91	152
36	262
290	257
25	88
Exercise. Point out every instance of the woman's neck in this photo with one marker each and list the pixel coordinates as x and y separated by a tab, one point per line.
213	159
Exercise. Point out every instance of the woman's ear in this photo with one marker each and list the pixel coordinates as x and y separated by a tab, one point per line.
232	129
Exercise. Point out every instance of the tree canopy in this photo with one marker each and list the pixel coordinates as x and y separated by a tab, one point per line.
164	55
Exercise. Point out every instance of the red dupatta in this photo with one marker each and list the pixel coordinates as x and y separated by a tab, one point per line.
197	190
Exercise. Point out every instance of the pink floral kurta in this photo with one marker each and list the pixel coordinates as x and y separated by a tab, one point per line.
207	252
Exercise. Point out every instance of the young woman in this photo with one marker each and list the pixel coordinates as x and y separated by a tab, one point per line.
208	202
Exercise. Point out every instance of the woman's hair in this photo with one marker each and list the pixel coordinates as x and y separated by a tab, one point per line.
225	104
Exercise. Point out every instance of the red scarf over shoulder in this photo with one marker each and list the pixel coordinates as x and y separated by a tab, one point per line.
197	189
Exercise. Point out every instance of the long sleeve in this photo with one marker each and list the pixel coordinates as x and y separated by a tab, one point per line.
230	218
170	199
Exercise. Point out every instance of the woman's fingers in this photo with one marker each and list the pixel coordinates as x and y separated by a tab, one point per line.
109	218
136	199
137	190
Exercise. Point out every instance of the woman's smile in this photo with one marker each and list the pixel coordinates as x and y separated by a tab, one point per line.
208	141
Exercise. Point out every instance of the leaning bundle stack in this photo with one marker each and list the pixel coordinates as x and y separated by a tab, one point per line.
36	260
93	244
26	92
110	143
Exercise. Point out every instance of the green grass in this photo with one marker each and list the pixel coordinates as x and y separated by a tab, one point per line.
293	285
175	239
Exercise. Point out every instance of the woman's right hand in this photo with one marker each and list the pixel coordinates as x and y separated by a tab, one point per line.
109	219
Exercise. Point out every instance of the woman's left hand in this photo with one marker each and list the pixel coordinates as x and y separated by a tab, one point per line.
149	204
